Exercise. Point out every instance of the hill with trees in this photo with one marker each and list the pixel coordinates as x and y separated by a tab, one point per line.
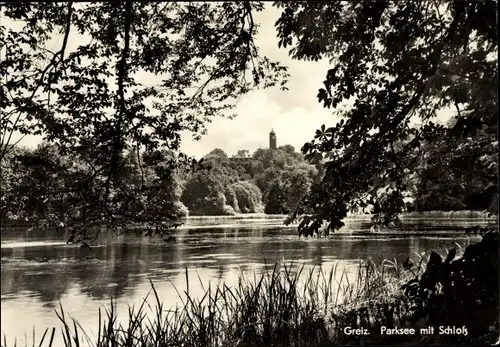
271	181
157	184
38	188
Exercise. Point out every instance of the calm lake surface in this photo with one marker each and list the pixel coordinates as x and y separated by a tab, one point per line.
39	270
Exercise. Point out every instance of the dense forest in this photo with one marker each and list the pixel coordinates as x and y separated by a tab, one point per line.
38	184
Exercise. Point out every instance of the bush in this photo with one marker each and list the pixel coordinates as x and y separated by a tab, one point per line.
180	210
461	292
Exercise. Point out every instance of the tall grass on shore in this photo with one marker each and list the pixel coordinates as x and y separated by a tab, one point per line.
277	308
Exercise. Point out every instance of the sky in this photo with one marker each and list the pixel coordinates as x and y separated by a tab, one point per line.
294	114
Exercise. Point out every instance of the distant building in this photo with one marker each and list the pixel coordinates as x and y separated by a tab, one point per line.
242	156
272	140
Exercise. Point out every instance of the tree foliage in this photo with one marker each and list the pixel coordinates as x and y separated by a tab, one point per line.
400	63
457	292
460	177
40	191
91	102
236	185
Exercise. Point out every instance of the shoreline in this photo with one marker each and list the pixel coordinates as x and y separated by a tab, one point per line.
406	216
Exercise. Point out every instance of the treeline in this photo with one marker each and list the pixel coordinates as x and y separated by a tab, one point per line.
270	181
44	185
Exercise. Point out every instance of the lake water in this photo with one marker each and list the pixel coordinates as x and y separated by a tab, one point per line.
39	270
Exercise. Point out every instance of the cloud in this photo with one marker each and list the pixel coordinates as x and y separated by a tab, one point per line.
305	77
257	115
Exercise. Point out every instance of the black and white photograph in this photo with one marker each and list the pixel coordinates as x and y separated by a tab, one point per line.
249	173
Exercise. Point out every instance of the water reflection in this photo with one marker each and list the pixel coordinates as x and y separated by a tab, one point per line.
39	271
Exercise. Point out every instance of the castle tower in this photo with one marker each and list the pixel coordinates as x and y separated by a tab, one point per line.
272	140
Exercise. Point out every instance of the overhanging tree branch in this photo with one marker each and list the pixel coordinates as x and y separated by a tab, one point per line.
57	59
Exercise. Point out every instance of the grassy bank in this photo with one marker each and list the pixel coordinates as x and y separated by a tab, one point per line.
281	307
275	308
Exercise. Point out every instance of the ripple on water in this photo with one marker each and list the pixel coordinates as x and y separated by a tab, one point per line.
378	239
194	257
461	237
224	256
22	294
25	262
40	261
249	265
35	273
193	246
24	244
167	271
201	261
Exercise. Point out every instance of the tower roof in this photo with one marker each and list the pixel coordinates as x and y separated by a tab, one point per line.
272	131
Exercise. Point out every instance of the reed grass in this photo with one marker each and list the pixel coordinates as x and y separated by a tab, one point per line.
275	308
